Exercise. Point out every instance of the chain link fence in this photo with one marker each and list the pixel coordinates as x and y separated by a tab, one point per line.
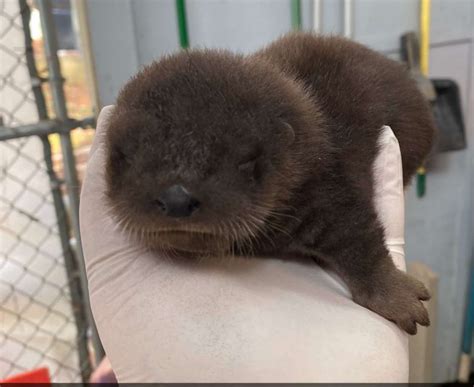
44	313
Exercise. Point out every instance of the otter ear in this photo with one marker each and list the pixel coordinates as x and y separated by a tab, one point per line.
288	133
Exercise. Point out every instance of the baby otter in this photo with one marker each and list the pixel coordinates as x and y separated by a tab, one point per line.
214	153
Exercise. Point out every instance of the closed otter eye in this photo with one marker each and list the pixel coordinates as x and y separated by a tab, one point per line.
248	163
250	167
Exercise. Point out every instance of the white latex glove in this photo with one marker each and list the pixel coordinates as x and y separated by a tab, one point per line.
248	320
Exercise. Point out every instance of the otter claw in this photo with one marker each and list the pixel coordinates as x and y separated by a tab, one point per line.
398	299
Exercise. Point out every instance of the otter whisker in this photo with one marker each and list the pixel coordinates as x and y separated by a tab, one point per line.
259	225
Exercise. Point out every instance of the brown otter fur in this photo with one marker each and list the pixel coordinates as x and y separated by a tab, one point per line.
277	149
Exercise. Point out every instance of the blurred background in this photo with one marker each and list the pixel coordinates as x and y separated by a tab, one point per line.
62	60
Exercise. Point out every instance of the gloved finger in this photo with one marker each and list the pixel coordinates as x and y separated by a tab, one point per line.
101	237
389	194
100	130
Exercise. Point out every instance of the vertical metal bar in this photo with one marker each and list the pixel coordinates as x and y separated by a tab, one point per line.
70	174
469	321
425	23
348	18
425	14
79	8
182	23
77	296
30	62
317	16
468	333
296	15
72	270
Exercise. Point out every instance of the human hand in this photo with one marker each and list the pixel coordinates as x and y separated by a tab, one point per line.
245	320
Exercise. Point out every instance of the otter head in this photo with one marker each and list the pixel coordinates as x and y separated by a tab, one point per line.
202	148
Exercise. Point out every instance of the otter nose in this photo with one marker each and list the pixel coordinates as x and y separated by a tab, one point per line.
177	202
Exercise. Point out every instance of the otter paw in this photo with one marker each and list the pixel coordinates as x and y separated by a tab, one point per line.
397	297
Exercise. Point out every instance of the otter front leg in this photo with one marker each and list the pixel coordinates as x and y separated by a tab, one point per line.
353	245
389	292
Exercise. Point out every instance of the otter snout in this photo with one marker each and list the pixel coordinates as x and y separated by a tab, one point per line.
177	202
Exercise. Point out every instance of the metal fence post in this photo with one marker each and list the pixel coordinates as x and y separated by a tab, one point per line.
77	292
70	174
